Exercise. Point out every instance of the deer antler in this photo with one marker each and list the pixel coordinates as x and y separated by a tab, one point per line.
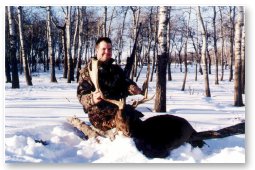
93	72
121	124
145	99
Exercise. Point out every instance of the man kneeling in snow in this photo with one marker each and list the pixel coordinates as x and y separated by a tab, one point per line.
113	85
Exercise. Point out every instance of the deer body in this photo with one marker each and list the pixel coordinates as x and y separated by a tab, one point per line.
155	136
158	135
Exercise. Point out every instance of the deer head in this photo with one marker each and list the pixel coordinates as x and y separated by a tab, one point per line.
121	123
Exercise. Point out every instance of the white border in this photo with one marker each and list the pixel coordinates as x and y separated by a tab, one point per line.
249	82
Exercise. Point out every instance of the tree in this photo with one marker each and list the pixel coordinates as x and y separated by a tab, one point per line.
215	46
170	45
155	47
243	60
81	41
120	39
238	100
185	53
160	101
231	38
222	44
74	44
7	47
13	49
205	69
70	73
24	57
50	50
64	46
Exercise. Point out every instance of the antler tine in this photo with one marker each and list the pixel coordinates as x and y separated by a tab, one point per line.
145	99
93	72
120	103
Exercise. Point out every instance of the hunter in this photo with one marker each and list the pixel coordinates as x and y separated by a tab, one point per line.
113	85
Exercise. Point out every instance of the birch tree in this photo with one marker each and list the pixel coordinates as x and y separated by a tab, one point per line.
74	44
120	42
13	50
204	59
64	46
185	53
155	47
24	57
70	73
238	100
160	101
50	50
105	22
243	58
232	33
80	41
215	46
7	47
222	44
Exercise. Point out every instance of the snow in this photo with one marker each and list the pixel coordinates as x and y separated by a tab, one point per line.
39	112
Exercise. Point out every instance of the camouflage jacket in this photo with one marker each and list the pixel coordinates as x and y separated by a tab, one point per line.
113	84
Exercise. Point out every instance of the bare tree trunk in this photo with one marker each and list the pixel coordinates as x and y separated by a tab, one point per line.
74	45
13	39
136	19
70	74
155	45
7	47
81	41
232	33
105	20
121	37
209	59
208	56
50	51
24	57
160	101
215	46
185	54
196	56
131	59
238	100
205	71
110	24
83	127
170	47
64	47
243	58
222	45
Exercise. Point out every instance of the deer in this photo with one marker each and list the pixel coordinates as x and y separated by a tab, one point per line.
156	136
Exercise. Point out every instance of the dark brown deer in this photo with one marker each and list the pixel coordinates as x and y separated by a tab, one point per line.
158	135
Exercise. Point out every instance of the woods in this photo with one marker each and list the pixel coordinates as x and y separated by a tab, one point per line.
62	39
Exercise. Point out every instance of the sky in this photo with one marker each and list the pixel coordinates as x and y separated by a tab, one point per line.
249	96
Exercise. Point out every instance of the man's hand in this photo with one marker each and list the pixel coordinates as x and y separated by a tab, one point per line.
96	97
134	90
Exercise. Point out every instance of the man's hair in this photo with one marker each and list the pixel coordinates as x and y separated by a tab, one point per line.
105	39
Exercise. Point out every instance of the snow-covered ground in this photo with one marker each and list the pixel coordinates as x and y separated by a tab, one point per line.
39	112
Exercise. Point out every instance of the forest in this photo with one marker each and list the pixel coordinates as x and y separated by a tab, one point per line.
156	38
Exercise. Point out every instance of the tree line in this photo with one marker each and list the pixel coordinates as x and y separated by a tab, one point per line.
48	38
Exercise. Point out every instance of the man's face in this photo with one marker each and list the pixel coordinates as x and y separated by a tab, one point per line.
104	51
